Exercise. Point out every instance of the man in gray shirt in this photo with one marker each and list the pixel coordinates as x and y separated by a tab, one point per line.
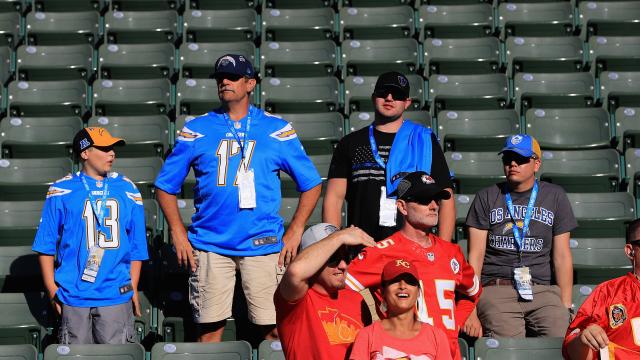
519	242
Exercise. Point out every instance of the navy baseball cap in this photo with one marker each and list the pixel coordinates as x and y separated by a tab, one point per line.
232	64
392	82
522	144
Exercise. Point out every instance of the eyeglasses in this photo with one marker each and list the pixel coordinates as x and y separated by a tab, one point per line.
396	94
342	254
508	158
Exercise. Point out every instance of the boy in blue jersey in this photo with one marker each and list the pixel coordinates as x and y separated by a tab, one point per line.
92	241
236	152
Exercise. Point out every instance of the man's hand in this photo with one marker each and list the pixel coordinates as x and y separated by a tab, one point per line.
135	302
594	337
55	303
472	326
291	240
184	251
353	236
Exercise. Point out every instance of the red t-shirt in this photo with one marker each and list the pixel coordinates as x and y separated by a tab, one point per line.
450	288
318	326
615	306
373	343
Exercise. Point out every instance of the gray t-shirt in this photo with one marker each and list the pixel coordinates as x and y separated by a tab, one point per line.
552	216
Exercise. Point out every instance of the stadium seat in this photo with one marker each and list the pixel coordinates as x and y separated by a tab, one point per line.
627	127
197	59
321	163
69	5
94	351
513	348
632	170
582	170
312	58
142	5
47	98
325	127
28	179
313	94
544	54
388	22
620	89
479	130
270	350
142	171
140	27
298	24
614	53
9	28
220	5
468	92
187	210
18	352
609	18
464	246
289	205
54	62
25	317
358	91
240	350
19	268
297	4
5	64
143	325
461	56
473	171
602	215
535	19
569	128
464	347
220	25
19	222
196	96
455	21
598	259
373	57
131	97
13	5
152	219
144	135
30	137
62	28
358	120
553	90
136	61
579	294
463	204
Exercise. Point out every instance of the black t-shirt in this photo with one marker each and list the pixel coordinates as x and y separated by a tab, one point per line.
353	160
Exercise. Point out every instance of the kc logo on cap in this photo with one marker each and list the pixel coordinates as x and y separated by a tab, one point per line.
402	263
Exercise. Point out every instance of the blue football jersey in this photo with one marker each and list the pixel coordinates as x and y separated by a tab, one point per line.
68	229
208	145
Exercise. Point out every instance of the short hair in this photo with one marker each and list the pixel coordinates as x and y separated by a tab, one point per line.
633	231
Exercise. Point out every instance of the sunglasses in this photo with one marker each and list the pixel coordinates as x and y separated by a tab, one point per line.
508	158
423	201
104	148
408	279
230	77
342	254
396	94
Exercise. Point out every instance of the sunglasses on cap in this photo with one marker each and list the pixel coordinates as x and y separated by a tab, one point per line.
342	254
509	157
396	94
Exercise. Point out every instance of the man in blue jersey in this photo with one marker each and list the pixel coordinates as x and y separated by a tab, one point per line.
236	152
92	242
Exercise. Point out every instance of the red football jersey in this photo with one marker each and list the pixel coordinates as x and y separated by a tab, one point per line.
450	288
614	306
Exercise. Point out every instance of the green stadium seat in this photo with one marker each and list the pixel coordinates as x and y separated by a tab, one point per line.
5	64
544	54
632	170
296	4
298	24
579	294
289	205
321	163
9	28
144	135
62	28
31	137
197	59
324	127
140	27
479	130
609	18
227	350
312	94
25	317
131	97
220	25
461	56
69	5
388	22
47	98
142	171
143	325
312	58
598	259
358	120
19	268
601	215
582	170
553	90
28	179
13	5
535	19
473	171
220	5
513	348
136	61
358	91
187	210
54	62
614	53
620	89
569	128
455	21
463	204
196	96
18	352
270	350
182	327
464	347
94	351
143	5
464	246
373	57
468	92
19	222
152	218
627	129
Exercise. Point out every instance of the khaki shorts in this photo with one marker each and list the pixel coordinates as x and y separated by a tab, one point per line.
211	286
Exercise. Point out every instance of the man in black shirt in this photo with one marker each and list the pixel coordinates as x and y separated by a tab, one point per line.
358	168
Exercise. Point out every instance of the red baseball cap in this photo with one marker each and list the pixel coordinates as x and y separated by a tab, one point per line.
395	268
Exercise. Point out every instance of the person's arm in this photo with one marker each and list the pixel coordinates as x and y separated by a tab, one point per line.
477	248
447	218
47	268
184	251
293	235
333	201
136	266
563	266
585	335
295	281
360	348
586	345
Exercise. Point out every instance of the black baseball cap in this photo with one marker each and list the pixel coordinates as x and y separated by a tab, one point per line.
232	64
393	83
420	187
94	136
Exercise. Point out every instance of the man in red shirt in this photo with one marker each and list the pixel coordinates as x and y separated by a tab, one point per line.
449	285
316	316
608	322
